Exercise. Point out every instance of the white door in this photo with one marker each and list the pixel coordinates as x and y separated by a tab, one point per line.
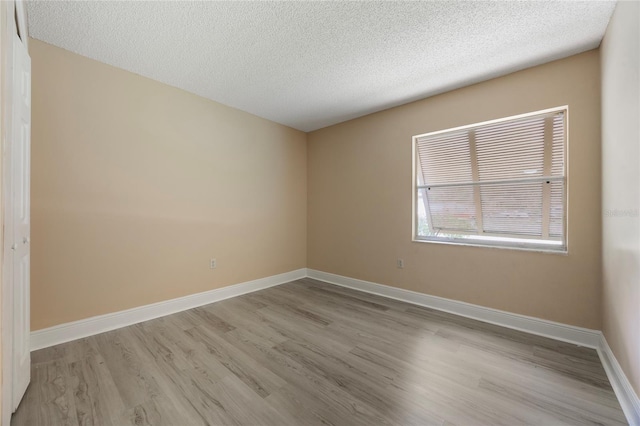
20	205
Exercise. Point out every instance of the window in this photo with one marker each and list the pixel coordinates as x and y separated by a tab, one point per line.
499	183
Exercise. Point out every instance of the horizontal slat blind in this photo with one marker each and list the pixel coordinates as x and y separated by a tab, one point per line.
557	196
509	165
557	153
512	208
556	215
445	159
511	150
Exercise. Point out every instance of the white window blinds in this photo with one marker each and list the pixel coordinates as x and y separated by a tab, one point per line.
502	181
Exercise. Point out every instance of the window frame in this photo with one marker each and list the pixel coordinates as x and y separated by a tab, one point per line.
519	243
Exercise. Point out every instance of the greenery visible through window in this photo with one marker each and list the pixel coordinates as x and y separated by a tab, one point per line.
500	183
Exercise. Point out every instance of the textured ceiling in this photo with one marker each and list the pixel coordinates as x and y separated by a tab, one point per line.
312	64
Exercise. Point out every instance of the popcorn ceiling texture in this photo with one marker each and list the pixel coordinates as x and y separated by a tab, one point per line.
312	64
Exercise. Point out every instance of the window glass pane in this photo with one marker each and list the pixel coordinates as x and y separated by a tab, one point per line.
452	208
422	222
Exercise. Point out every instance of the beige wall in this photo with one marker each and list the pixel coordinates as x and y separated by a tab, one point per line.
359	199
621	187
136	185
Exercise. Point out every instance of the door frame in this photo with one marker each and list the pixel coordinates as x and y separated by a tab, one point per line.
13	19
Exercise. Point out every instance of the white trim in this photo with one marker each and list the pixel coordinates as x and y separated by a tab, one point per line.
554	330
88	327
567	333
624	391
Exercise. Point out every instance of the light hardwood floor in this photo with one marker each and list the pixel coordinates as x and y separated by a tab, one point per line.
309	353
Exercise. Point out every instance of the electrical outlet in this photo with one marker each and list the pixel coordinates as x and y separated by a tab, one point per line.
400	263
212	264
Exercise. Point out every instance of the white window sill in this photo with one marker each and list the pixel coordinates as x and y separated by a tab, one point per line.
541	249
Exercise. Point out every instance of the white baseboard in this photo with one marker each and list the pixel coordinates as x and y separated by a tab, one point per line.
88	327
626	395
554	330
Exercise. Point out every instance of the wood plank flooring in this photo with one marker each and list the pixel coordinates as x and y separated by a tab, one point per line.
309	353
